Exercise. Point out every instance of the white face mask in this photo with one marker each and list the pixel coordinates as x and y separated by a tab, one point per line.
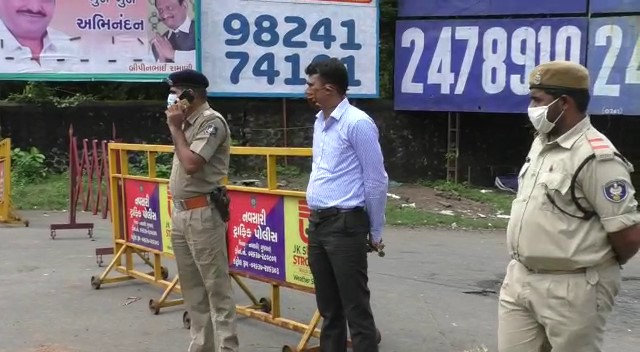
538	117
171	99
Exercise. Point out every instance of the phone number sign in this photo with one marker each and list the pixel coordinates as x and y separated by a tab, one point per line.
432	8
614	65
614	6
478	65
261	47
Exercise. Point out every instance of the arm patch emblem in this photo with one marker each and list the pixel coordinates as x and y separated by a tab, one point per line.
616	191
211	130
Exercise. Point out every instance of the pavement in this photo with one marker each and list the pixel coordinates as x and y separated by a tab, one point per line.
432	293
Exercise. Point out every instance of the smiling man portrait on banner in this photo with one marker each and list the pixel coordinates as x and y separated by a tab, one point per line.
178	43
29	44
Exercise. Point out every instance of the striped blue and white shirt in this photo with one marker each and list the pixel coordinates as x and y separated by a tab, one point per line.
348	167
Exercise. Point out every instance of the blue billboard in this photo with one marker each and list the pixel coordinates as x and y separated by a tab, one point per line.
478	65
436	8
614	6
613	59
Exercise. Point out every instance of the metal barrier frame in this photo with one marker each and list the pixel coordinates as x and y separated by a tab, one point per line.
263	309
7	213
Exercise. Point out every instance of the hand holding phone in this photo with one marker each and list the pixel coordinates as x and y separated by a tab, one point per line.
186	98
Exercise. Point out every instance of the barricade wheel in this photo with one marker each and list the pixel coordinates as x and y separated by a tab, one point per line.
186	321
154	307
265	304
95	282
165	272
53	234
90	233
26	223
288	348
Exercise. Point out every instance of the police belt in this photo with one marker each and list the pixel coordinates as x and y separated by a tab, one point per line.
608	262
192	203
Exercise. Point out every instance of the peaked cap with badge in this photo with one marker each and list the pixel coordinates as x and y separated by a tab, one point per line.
188	78
560	75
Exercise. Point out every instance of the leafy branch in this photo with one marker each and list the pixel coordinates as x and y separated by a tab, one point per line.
40	94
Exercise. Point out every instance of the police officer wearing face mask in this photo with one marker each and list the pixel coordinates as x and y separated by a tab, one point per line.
573	223
202	143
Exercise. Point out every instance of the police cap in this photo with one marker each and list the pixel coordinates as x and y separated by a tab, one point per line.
559	75
188	78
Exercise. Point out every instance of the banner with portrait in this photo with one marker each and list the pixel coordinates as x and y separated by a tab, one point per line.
127	40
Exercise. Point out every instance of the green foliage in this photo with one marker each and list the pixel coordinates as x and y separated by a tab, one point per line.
27	166
140	167
40	93
50	193
398	216
388	15
288	171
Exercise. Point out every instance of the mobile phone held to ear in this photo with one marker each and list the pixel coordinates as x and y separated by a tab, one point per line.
186	98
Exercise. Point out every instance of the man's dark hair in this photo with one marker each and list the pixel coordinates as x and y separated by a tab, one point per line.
331	71
580	96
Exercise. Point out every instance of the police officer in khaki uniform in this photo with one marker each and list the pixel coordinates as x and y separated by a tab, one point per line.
201	158
573	223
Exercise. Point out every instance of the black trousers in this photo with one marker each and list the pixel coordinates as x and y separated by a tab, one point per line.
338	262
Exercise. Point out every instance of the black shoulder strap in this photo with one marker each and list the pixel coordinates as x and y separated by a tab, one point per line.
586	214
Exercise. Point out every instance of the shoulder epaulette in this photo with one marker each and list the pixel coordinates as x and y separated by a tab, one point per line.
207	112
601	147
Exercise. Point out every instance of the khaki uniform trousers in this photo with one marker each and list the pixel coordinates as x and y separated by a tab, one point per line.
199	245
556	312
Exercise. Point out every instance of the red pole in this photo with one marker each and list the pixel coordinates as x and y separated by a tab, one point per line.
72	177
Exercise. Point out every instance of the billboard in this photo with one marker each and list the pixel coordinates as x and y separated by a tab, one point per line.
613	60
260	48
478	65
129	40
440	8
482	65
614	6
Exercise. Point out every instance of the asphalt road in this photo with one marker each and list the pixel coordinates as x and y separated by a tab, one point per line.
418	295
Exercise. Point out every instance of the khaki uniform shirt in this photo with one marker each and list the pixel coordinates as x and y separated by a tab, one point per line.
209	137
542	237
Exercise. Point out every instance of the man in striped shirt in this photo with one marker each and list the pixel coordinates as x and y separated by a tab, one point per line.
347	196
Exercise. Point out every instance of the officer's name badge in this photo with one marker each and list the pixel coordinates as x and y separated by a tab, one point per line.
211	130
616	191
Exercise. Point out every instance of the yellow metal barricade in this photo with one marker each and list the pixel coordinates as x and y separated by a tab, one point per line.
266	235
7	214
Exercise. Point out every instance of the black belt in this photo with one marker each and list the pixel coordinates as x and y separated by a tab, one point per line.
326	212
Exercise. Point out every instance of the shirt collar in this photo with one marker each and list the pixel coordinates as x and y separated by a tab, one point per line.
194	115
185	26
338	111
11	43
568	139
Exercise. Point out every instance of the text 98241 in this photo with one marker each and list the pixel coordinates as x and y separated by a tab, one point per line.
258	50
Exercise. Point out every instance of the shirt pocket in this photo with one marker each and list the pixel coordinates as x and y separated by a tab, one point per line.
554	188
336	153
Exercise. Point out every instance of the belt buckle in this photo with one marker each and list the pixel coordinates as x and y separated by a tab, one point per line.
179	204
